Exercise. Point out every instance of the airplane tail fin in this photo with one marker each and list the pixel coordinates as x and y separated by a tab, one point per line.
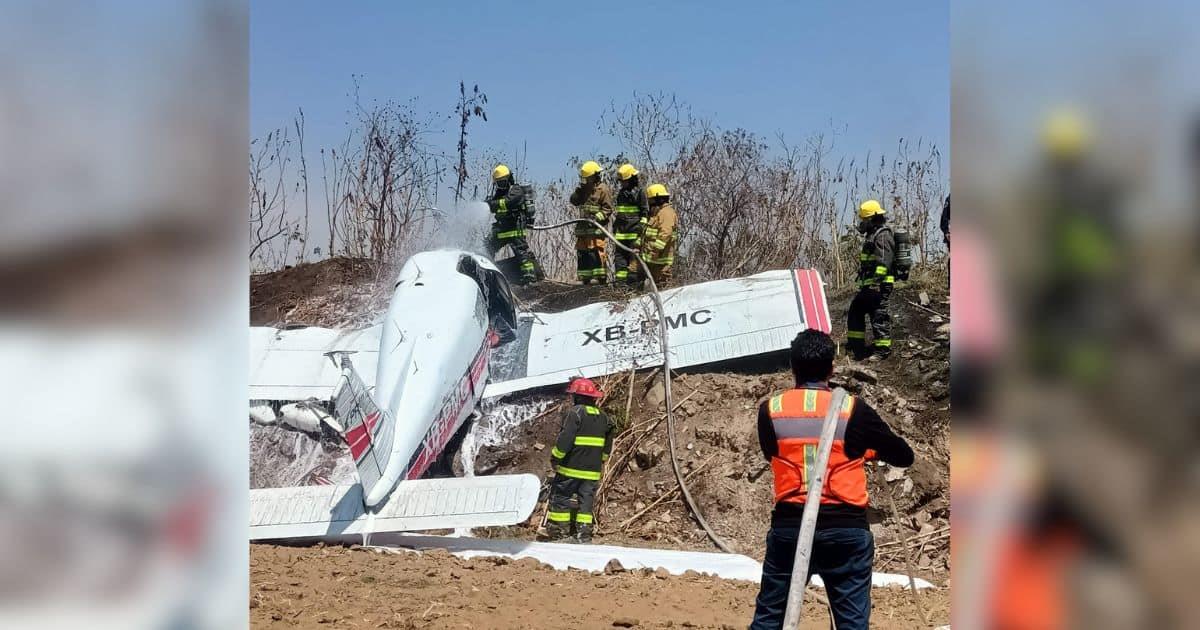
367	429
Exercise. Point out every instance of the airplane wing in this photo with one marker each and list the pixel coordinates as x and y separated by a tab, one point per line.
290	364
318	511
707	322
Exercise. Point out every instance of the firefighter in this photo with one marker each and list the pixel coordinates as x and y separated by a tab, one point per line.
594	200
578	456
631	216
875	284
512	209
658	240
789	428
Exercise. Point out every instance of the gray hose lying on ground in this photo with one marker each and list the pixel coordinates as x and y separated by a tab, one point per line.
662	327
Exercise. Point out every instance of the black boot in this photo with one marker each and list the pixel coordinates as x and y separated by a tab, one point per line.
557	531
583	533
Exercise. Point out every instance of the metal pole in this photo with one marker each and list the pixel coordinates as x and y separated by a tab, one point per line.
808	522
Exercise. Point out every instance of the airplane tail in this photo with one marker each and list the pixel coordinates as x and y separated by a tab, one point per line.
367	429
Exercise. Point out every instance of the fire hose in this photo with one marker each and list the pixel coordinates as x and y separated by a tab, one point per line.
662	327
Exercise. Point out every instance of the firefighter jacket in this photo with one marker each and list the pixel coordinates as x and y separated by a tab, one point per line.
512	207
583	443
631	214
658	245
595	202
877	257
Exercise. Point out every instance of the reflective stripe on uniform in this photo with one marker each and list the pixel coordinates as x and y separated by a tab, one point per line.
810	400
503	205
804	428
592	411
527	266
510	234
557	454
559	517
583	518
883	343
889	280
659	244
588	440
575	473
661	261
629	209
622	274
880	270
626	236
651	231
856	334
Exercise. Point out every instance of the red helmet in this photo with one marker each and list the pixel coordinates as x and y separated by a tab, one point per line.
584	387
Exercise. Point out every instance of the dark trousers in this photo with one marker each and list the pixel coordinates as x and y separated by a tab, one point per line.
626	266
869	304
519	245
589	254
562	514
841	556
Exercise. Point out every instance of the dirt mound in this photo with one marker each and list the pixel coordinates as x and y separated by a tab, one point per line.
324	587
338	292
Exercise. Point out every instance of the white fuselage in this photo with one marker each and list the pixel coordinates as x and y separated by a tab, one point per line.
432	365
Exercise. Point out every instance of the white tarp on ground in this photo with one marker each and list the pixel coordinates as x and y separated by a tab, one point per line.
596	557
707	322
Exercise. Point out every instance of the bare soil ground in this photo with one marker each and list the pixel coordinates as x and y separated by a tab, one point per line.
639	503
336	587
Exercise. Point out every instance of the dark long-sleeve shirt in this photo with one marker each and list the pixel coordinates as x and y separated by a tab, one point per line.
945	222
864	430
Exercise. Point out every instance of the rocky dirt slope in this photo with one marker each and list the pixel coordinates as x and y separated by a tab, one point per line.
718	448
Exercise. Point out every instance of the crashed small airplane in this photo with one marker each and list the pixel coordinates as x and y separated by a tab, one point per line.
403	390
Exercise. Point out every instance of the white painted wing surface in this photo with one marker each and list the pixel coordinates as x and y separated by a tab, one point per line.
289	364
707	322
324	511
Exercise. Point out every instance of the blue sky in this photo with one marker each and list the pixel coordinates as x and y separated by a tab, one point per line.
878	70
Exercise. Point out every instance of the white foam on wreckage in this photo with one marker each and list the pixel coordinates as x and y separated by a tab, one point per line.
595	557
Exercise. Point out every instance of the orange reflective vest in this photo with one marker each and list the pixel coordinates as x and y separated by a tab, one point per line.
797	416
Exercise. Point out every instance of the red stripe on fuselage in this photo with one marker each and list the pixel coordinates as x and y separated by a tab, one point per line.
444	425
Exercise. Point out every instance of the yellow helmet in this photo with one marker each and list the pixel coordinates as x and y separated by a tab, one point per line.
1065	133
500	172
870	208
589	168
654	191
626	171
